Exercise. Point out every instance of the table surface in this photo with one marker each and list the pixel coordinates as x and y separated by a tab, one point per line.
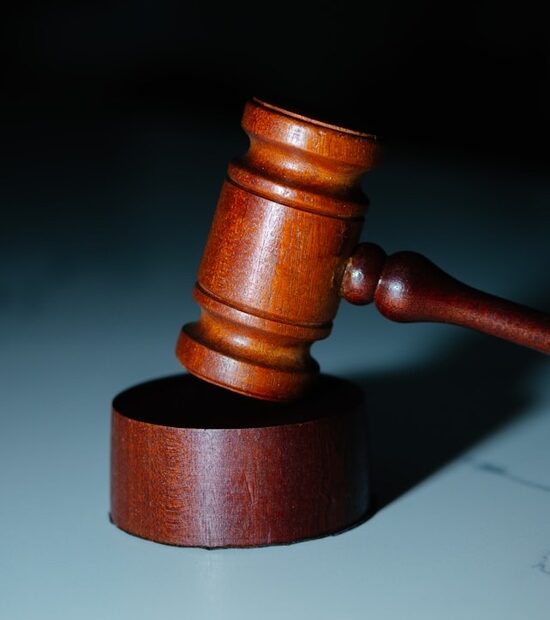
95	280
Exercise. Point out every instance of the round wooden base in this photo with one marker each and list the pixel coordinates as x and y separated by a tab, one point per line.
196	465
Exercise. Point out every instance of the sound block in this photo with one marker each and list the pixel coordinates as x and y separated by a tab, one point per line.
196	465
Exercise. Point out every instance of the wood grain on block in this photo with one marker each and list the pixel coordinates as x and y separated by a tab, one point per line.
196	465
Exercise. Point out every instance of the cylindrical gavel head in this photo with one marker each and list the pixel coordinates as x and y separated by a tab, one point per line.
288	218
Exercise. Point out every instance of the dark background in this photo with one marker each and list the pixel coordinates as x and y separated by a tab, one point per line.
454	74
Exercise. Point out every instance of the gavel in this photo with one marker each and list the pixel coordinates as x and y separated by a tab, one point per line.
283	250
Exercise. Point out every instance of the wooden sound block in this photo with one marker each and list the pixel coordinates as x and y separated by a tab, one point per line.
196	465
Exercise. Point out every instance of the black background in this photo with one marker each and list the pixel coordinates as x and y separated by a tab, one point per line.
465	76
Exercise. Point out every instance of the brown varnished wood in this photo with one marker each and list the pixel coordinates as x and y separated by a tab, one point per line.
193	464
196	465
408	287
281	252
288	218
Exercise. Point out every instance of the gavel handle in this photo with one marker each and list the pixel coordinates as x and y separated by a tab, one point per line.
407	287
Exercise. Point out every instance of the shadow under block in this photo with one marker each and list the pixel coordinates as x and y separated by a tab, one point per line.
196	465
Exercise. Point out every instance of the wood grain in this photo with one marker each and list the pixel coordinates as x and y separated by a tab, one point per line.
281	253
407	287
288	218
195	465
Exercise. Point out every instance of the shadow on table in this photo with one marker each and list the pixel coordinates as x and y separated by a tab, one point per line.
422	417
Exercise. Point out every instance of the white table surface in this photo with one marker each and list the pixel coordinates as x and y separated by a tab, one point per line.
94	286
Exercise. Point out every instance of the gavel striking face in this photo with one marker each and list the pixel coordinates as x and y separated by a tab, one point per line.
282	252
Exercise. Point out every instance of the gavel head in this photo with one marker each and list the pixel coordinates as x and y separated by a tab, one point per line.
288	218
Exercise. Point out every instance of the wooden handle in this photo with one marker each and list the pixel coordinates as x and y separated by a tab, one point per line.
408	287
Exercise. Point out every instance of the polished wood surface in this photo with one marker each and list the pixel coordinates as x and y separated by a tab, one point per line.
407	287
283	249
196	465
288	218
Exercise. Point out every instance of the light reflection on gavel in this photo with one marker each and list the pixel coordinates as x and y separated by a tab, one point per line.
283	250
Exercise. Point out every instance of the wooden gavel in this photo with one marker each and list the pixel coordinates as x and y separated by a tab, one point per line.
283	250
